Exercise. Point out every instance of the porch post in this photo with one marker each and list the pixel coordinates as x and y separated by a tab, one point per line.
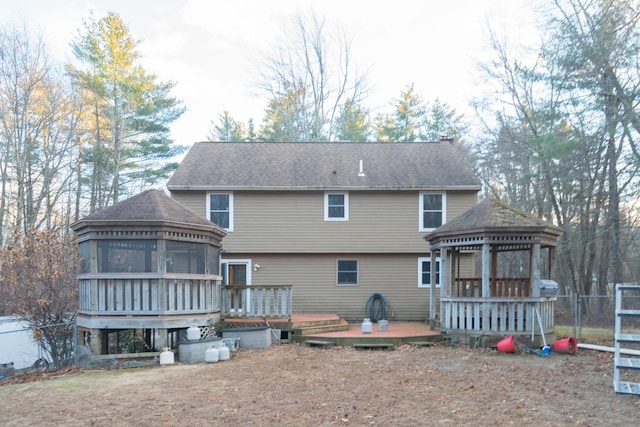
535	270
486	283
444	279
552	263
486	270
432	292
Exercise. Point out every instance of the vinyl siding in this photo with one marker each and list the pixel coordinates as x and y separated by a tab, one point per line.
293	222
313	278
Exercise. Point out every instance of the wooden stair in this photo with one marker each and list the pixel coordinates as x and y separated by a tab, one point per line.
311	328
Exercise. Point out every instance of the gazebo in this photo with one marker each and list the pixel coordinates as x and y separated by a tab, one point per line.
515	254
149	270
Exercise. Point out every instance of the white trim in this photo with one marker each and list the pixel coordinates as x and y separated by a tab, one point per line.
224	272
208	206
357	272
246	262
421	209
428	259
346	205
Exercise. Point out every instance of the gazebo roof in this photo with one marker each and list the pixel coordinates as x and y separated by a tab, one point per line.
493	221
151	207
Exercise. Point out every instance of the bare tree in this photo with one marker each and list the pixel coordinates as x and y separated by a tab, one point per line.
547	153
38	279
597	42
312	85
38	123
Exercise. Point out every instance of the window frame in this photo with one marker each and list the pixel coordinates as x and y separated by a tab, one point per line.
421	210
345	217
422	260
357	272
208	207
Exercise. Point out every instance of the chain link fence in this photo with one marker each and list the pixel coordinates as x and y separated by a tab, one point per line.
591	318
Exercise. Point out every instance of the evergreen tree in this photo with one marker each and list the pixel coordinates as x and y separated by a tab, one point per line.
127	129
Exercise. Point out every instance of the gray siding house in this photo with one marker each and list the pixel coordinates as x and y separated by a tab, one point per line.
338	222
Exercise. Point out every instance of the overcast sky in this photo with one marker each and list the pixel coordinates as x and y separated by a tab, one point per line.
210	47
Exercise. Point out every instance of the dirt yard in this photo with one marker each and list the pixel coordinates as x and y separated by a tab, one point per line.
292	385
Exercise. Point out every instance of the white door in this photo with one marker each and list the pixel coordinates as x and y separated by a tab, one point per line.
237	272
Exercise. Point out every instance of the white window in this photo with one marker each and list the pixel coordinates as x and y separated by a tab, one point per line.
336	206
347	272
424	272
432	211
220	209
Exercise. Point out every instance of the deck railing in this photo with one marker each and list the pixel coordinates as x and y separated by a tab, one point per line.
243	301
148	294
496	315
506	287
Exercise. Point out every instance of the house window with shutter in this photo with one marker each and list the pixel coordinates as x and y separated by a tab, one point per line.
336	206
432	211
220	209
347	272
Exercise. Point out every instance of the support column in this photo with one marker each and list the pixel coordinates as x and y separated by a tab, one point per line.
486	270
486	285
552	262
432	293
444	279
535	270
162	340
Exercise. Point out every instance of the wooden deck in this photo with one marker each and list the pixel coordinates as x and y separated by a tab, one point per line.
326	330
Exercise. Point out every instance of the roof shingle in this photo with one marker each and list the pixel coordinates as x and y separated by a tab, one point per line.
210	165
150	206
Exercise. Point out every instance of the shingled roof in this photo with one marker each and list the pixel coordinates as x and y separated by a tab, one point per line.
269	165
151	206
492	217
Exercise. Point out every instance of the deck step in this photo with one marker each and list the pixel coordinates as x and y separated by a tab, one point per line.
315	323
342	325
373	346
421	343
319	343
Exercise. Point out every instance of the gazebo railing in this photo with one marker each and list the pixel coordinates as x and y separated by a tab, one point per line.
257	302
506	287
148	294
496	315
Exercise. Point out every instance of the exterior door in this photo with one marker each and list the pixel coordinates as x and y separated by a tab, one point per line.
237	272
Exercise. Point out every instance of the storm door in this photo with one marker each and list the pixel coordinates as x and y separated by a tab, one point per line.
237	273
